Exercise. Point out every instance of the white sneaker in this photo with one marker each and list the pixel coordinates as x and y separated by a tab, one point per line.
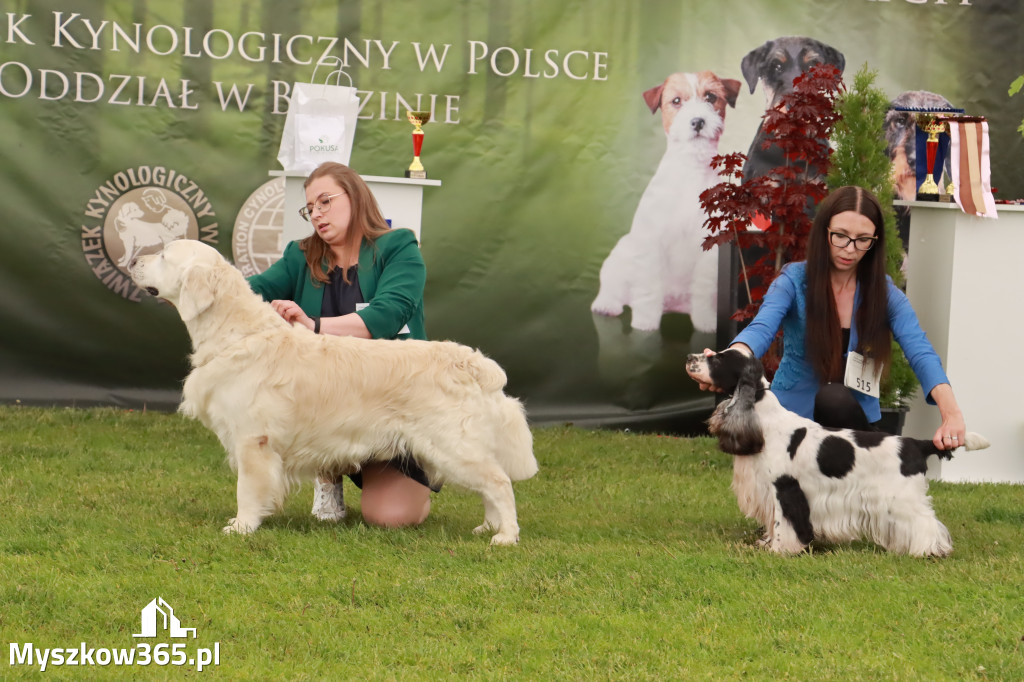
328	501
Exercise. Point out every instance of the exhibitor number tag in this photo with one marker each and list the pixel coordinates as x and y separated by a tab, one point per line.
862	375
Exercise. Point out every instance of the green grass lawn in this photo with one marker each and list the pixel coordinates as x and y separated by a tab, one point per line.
633	563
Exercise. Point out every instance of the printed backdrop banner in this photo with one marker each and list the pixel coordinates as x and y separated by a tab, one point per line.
127	124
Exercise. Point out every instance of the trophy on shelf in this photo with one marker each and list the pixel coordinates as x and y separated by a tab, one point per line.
418	119
934	126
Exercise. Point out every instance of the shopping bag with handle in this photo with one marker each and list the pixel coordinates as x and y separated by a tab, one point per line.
321	122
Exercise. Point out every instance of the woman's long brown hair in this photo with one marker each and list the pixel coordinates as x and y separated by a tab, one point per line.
367	221
824	335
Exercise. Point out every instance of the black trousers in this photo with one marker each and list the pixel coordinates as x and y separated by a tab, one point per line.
835	407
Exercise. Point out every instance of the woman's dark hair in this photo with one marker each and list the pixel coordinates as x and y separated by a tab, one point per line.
824	335
367	220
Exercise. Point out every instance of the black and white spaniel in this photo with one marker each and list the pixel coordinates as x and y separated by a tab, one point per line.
802	481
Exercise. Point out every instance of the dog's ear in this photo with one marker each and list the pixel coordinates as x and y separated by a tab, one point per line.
653	97
752	374
197	291
833	56
735	422
732	90
736	425
894	126
752	64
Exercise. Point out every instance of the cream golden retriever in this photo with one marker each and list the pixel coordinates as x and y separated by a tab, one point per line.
287	403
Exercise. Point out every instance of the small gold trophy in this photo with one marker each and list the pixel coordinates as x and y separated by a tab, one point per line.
418	119
929	189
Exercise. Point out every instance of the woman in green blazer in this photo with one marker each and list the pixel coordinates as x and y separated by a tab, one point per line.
354	276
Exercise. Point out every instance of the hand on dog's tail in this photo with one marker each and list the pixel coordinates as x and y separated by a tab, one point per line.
972	441
975	441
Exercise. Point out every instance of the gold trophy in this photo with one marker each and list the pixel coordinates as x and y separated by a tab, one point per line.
929	189
418	119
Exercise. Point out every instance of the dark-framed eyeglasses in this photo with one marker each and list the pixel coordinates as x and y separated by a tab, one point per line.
323	204
841	241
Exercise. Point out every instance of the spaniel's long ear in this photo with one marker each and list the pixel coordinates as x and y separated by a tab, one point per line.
197	292
735	423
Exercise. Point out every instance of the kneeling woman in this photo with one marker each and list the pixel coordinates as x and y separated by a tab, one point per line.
354	276
840	302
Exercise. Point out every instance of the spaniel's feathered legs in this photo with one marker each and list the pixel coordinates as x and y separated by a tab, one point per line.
791	529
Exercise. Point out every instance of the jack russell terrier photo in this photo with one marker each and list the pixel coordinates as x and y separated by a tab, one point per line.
660	266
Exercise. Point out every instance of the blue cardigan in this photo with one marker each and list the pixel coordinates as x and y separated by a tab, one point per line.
795	382
391	275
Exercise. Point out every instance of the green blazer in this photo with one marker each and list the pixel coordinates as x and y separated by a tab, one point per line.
391	276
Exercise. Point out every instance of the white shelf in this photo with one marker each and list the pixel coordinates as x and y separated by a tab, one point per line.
425	182
963	278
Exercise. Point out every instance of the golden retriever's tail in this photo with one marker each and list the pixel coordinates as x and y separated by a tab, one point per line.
514	442
465	366
485	372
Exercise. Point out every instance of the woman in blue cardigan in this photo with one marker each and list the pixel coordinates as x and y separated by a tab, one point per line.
839	304
354	276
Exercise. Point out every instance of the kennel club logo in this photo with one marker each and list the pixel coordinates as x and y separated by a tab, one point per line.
256	242
136	212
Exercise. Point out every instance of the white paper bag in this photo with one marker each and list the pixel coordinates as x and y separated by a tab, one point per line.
320	123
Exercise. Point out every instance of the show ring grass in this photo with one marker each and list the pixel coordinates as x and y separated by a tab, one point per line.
634	563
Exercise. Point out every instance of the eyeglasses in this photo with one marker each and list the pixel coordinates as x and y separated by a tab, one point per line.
841	241
323	204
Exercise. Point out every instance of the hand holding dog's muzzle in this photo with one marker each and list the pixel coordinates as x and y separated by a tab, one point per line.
697	369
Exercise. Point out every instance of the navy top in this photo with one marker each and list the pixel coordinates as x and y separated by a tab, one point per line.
341	298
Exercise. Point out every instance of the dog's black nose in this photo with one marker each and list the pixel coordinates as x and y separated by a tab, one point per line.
697	124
